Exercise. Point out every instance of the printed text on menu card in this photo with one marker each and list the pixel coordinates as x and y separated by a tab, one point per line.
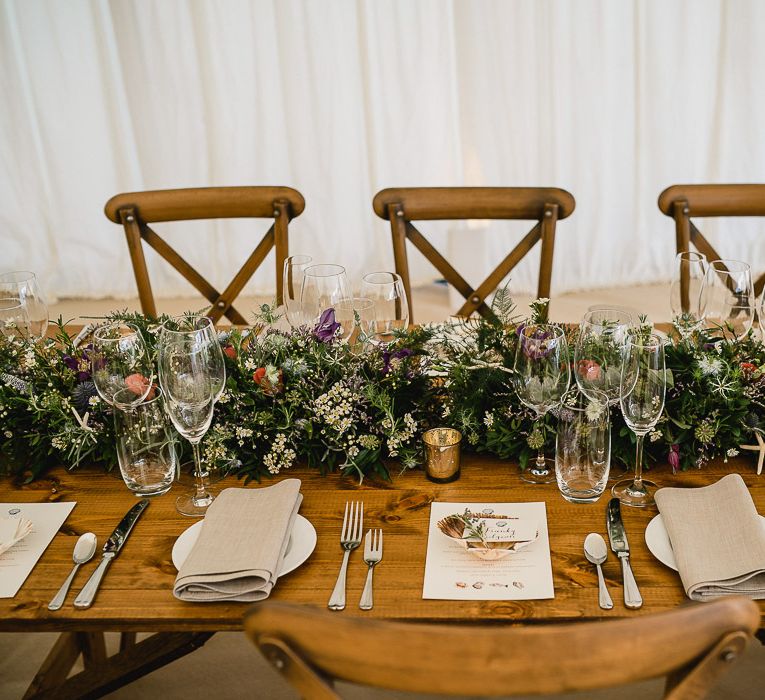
453	573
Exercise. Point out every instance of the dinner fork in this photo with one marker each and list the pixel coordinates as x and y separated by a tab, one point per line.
373	544
350	538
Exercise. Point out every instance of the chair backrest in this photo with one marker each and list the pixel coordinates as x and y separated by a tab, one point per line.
691	646
681	202
403	205
136	210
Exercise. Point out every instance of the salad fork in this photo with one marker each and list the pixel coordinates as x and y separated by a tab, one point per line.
373	544
350	538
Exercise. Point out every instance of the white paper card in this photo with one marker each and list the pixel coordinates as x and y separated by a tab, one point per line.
17	563
453	573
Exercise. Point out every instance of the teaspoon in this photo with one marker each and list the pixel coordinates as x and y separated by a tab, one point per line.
83	552
595	550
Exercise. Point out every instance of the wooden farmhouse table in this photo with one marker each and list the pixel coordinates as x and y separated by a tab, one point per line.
136	593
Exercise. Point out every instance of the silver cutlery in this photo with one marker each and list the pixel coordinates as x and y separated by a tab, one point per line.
84	550
618	538
595	550
111	550
350	538
373	546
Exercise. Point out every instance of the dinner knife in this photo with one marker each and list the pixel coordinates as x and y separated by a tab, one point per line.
619	545
111	550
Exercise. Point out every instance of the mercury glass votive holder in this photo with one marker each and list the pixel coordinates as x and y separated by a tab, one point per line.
442	454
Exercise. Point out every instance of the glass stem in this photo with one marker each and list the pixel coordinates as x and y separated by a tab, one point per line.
200	475
639	462
541	451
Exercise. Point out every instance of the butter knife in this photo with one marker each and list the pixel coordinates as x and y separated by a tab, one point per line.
111	550
619	545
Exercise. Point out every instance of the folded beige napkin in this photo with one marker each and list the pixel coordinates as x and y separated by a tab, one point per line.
717	538
13	530
241	546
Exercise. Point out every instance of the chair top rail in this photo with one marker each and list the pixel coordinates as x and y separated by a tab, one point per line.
715	200
450	657
435	203
205	203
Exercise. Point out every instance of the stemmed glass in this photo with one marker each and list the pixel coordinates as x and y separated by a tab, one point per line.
730	297
356	317
688	293
192	375
541	377
14	320
323	287
386	290
122	369
23	286
644	385
294	271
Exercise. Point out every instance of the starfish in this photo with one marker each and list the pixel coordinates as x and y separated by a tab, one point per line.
759	447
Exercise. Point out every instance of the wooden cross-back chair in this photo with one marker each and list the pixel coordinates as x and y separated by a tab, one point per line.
681	202
136	210
691	646
403	205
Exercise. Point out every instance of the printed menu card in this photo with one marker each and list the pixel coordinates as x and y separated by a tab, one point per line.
17	563
488	551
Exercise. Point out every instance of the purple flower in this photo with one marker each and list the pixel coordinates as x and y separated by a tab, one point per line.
325	329
674	457
80	365
388	356
535	344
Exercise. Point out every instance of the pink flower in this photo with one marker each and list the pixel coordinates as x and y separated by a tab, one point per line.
137	383
230	352
674	457
589	370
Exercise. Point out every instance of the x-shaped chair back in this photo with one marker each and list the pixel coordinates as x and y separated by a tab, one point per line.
681	202
136	210
403	205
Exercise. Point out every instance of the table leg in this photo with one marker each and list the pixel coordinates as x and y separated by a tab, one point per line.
98	679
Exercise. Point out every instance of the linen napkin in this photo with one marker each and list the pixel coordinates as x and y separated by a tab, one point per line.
241	546
717	538
13	530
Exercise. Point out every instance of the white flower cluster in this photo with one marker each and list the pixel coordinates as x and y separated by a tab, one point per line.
242	433
335	407
279	456
403	436
654	435
488	419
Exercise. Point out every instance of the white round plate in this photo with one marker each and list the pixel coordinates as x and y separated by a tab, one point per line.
299	548
657	539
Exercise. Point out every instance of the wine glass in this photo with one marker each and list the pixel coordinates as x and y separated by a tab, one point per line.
386	290
122	369
599	352
730	297
644	385
688	293
23	286
294	271
14	320
203	328
356	317
190	375
323	286
542	376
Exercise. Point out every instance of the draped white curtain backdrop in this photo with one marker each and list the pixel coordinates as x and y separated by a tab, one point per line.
612	101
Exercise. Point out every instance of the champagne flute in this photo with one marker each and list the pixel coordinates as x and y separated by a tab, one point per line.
122	369
23	285
730	297
203	328
323	286
644	385
190	376
542	376
294	271
14	320
688	293
386	290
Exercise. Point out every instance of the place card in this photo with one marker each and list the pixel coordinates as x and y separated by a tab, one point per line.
454	572
17	563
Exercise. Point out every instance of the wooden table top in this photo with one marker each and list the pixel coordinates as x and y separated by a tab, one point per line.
136	594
